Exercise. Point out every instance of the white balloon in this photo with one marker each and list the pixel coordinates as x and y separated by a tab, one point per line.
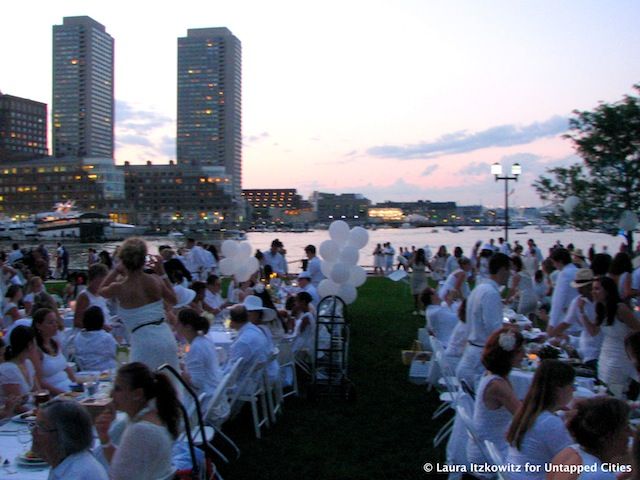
226	266
326	267
628	221
245	249
229	248
349	255
340	273
357	276
251	264
358	237
326	288
339	231
347	293
242	275
570	204
329	250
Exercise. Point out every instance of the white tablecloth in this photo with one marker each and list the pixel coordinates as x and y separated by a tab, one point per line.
10	448
222	338
521	381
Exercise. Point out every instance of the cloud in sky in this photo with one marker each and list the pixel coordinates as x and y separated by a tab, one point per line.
464	142
139	120
255	138
429	170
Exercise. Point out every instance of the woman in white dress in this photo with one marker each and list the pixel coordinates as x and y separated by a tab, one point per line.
143	450
438	263
10	312
418	265
378	260
496	401
140	299
617	321
456	285
201	367
50	363
537	434
17	375
600	427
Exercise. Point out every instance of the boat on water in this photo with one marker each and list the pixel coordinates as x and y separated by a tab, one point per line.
67	222
17	231
479	227
454	229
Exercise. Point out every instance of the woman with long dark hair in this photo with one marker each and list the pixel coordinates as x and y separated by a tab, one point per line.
143	451
17	374
617	321
418	264
537	434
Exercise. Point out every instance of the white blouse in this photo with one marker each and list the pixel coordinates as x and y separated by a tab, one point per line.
201	362
10	374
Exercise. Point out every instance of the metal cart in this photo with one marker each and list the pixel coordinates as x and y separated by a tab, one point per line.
331	353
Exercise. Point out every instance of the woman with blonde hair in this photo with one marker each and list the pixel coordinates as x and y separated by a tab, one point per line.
140	297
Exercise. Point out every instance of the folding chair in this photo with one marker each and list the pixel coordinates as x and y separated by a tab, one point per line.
252	390
496	458
286	359
273	388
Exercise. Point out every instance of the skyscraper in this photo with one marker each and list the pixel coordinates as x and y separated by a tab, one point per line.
83	105
23	128
210	102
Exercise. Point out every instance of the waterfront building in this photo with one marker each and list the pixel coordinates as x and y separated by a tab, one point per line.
345	206
83	101
35	185
23	128
209	123
170	194
281	205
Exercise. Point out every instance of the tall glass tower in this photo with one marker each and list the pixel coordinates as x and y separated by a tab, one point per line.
83	102
210	102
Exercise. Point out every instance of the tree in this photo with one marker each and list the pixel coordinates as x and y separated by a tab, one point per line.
607	182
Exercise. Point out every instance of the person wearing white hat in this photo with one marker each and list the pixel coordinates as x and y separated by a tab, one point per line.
259	314
304	282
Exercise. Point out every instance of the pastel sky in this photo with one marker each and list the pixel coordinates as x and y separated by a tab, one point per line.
402	100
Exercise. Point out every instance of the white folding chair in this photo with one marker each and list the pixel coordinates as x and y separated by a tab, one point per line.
273	388
252	390
286	359
496	457
464	410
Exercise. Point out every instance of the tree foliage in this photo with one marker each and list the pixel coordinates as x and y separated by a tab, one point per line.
608	179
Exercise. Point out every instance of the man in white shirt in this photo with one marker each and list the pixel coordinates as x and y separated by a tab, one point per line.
304	282
503	247
581	319
199	261
251	344
15	255
389	253
275	259
484	316
63	437
563	292
213	301
313	265
451	265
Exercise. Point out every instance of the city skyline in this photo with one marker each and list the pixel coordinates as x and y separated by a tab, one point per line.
408	102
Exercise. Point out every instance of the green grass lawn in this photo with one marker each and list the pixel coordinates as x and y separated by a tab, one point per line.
385	434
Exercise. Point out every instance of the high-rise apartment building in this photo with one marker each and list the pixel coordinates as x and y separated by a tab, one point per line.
23	128
83	102
210	102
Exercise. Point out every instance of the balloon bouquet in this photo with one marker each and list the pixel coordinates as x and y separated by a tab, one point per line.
238	260
339	263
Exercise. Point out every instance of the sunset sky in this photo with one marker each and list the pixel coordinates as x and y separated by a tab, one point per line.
400	100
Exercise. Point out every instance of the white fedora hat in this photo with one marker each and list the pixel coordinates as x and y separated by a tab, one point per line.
253	303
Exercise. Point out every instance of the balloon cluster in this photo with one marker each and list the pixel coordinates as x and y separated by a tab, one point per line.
238	260
339	263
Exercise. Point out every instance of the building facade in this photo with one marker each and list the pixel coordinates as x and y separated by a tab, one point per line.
179	195
23	128
83	101
345	206
209	126
281	205
36	185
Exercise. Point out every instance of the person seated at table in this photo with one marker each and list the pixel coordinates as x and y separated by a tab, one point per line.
34	287
496	401
251	345
274	323
201	368
95	349
17	374
521	292
10	312
305	324
52	370
536	433
213	301
458	339
143	450
616	320
197	303
440	319
91	296
63	437
262	317
600	428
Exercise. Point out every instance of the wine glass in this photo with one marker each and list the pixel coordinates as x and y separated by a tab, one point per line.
24	437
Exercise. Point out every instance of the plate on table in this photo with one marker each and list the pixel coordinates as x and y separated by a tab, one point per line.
26	417
30	459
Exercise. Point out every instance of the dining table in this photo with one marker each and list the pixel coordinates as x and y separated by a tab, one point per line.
11	453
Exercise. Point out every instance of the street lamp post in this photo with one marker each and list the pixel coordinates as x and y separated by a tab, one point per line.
496	170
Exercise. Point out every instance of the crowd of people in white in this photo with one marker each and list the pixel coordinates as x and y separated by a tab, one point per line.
584	307
162	306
